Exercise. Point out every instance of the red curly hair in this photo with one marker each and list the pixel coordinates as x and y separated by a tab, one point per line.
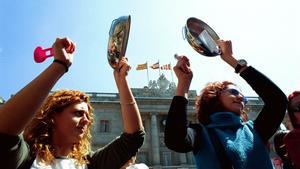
208	102
38	134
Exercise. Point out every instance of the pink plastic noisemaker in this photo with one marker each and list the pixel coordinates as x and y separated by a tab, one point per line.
40	54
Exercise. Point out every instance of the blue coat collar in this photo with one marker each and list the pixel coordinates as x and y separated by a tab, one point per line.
224	119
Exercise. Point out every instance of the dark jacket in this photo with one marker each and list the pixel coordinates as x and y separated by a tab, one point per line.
15	152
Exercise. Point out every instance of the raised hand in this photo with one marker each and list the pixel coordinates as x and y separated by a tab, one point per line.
63	50
226	52
184	74
122	69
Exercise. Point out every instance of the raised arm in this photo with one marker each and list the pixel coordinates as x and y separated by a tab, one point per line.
130	113
184	74
178	136
275	101
20	109
227	54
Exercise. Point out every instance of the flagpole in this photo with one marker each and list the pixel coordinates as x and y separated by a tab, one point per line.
147	74
159	68
171	72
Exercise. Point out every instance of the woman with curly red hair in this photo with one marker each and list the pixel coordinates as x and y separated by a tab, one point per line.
54	132
50	125
224	137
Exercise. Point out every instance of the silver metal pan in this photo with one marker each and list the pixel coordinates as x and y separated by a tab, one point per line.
201	37
117	41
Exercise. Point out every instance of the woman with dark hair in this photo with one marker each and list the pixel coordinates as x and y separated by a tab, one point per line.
57	128
292	139
222	139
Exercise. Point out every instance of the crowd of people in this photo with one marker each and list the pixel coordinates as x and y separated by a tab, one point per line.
34	121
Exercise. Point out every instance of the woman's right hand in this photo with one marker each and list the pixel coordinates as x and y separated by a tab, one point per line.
184	74
63	50
227	54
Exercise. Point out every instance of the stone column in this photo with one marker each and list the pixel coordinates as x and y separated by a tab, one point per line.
155	140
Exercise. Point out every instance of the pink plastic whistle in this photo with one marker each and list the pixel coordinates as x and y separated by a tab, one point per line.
40	54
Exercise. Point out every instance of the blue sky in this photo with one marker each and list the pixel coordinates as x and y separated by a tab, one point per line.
265	33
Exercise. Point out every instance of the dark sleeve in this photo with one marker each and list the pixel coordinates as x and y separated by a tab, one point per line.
13	151
118	152
275	103
178	136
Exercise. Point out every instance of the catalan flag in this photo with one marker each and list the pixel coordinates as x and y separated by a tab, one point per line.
155	66
142	66
166	67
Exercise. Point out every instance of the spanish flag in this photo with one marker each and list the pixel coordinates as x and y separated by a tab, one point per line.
142	66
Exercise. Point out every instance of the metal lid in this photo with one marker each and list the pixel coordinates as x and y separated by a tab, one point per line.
117	41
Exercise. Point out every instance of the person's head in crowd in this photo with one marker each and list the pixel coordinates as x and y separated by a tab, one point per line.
294	108
279	144
220	97
64	120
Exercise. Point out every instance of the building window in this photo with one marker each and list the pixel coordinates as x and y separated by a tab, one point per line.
167	158
162	125
104	126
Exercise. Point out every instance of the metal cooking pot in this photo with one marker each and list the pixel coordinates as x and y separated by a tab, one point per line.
201	37
117	41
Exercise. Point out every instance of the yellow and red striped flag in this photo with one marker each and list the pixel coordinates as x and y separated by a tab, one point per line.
142	66
166	67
